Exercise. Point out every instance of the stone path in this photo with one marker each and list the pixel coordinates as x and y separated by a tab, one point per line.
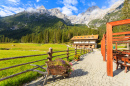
89	71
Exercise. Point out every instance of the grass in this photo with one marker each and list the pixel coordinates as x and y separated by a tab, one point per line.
23	49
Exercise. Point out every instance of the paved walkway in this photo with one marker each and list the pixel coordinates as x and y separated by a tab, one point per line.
90	71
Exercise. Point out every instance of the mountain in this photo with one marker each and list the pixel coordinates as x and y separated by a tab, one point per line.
95	13
90	9
31	15
36	20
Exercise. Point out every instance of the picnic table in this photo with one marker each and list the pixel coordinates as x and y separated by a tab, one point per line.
122	58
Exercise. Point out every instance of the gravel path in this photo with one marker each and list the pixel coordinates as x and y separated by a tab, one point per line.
89	71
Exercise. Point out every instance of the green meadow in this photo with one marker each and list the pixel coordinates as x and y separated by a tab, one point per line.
8	50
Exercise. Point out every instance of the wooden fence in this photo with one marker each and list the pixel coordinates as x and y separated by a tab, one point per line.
50	56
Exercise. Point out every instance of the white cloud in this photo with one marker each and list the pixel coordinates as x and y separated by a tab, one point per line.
83	2
14	1
91	4
37	0
69	7
103	7
69	2
6	11
31	10
67	11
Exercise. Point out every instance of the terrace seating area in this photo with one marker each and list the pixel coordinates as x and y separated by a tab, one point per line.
122	58
111	53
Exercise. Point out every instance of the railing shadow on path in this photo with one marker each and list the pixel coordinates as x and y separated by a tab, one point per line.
75	73
81	59
119	70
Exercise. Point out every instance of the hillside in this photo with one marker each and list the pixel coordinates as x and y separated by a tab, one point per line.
24	23
114	16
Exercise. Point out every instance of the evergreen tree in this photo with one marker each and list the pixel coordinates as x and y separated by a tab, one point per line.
126	10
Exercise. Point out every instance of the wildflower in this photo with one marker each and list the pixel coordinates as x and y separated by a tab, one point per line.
73	69
70	63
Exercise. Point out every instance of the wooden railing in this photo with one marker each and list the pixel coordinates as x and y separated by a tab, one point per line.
50	56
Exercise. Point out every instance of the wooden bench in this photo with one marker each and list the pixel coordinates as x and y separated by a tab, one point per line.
121	59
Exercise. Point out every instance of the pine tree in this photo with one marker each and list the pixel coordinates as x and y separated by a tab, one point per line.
126	10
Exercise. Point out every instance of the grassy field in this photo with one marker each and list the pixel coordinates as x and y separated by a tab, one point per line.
23	49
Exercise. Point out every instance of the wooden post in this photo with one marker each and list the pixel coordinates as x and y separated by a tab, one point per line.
50	54
109	51
104	48
75	50
116	46
67	53
80	50
84	50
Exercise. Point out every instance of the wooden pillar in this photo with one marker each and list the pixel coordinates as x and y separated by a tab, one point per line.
104	48
116	46
80	50
101	47
67	53
50	54
109	51
84	50
76	50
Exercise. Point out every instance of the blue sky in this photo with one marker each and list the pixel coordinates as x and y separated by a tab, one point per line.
68	7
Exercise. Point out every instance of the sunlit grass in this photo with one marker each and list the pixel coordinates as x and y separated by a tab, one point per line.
23	49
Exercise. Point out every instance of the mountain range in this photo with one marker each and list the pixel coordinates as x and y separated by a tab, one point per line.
92	17
37	20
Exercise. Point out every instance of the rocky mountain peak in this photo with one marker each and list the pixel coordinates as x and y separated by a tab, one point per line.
90	9
42	7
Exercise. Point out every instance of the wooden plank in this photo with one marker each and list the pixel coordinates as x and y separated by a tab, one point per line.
126	39
21	57
121	42
121	37
120	22
61	51
121	33
109	50
21	64
59	55
18	73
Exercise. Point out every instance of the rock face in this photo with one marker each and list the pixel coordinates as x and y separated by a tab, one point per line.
90	9
95	12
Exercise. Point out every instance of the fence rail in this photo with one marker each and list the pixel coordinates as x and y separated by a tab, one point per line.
50	56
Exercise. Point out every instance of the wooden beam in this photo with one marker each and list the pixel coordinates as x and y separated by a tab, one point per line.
126	39
121	37
121	33
109	50
120	22
121	42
